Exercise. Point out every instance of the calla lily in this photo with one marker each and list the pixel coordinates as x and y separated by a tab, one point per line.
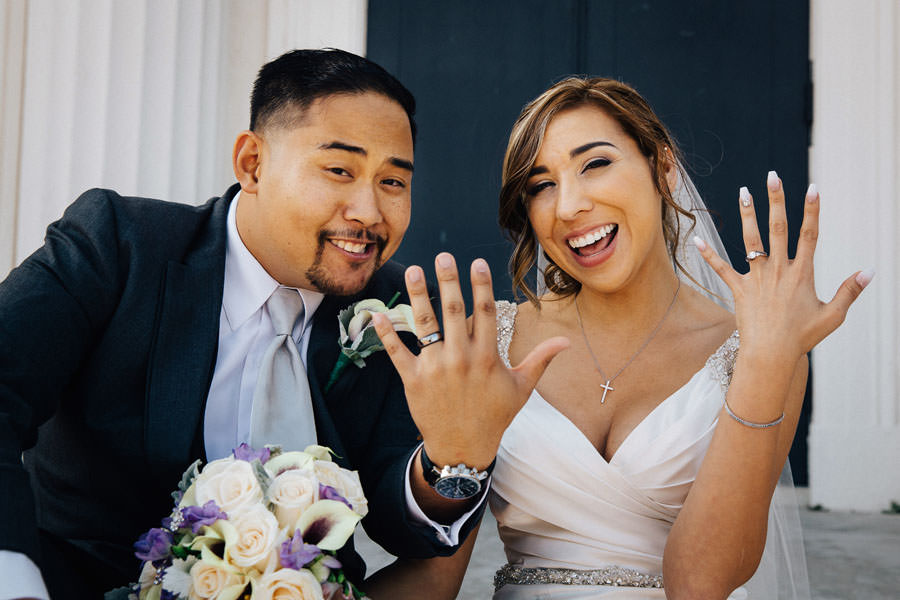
318	452
220	532
328	524
289	460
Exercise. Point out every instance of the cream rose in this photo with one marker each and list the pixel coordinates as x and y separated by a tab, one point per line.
231	484
257	534
208	581
291	493
288	584
345	482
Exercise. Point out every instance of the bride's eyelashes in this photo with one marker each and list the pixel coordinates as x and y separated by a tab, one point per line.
596	163
538	187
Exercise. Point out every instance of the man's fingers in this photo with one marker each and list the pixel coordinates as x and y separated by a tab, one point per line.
453	307
423	313
396	349
533	366
809	230
719	265
778	226
484	310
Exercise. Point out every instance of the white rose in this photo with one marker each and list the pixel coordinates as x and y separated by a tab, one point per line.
288	584
230	483
257	534
292	492
345	482
208	581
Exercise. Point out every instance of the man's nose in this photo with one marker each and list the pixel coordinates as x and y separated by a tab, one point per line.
363	206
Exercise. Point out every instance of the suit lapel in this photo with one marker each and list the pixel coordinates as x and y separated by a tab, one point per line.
184	351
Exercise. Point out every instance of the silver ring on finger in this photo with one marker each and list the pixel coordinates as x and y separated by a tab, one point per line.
431	338
754	254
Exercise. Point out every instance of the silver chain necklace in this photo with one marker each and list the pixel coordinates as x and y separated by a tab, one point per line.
606	386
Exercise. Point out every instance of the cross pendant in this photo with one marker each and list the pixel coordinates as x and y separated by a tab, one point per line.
606	388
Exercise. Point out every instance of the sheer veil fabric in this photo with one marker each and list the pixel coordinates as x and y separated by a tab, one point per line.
782	572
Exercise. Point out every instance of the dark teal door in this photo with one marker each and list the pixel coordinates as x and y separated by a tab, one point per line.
730	79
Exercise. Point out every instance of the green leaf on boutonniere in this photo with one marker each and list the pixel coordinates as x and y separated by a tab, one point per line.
358	338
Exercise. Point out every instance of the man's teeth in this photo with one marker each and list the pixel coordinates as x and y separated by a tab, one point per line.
349	246
592	237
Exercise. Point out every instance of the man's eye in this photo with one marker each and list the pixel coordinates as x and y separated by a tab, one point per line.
338	171
597	162
538	187
393	182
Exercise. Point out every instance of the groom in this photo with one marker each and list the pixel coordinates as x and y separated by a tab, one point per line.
132	341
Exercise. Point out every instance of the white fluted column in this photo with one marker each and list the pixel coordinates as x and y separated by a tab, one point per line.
12	68
854	436
144	96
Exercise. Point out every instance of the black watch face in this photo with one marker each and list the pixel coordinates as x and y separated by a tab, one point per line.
457	488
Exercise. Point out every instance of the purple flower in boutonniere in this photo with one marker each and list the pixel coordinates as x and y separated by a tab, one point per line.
358	337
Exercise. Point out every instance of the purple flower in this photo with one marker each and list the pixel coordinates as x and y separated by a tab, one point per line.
326	492
153	545
294	553
245	452
198	516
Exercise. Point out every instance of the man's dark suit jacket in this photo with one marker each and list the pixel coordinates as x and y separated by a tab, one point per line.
108	337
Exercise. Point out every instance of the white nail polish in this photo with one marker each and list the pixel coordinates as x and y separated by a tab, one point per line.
700	244
812	193
863	278
772	181
745	197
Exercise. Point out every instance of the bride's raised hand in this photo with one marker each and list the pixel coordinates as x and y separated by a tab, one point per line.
776	305
460	394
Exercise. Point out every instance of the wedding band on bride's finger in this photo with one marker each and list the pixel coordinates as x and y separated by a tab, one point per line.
753	254
431	338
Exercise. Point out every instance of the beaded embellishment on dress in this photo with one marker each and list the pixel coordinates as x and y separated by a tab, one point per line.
615	576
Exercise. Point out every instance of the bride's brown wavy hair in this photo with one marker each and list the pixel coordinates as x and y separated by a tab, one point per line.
624	104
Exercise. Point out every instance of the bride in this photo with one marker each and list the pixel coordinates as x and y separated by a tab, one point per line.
643	461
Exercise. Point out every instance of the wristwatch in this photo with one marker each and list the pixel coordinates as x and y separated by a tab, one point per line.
457	483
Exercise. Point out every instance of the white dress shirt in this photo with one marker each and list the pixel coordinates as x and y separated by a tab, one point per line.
245	332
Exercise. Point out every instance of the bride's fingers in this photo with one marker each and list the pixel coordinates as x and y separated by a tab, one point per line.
809	230
423	313
535	363
836	310
778	226
719	265
749	226
397	351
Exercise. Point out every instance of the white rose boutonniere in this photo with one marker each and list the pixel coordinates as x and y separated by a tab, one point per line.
358	338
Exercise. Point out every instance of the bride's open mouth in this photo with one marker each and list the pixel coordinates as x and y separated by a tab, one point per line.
593	242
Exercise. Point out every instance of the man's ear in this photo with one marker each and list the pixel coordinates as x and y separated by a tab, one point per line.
246	160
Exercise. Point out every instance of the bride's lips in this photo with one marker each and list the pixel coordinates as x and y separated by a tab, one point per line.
594	252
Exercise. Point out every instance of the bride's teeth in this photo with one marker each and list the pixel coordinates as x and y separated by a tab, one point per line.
592	237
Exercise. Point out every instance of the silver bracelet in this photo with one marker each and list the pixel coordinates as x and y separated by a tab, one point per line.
750	423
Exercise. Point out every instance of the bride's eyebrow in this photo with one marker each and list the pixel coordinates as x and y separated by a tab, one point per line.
585	147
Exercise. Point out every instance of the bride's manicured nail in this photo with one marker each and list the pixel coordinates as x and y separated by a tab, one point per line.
863	278
480	265
745	197
773	182
701	245
812	194
444	260
414	274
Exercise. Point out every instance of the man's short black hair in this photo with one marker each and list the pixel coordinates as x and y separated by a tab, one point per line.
286	86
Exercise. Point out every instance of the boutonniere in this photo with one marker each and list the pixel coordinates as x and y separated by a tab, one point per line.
358	338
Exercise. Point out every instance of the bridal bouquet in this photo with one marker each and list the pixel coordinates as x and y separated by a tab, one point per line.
260	524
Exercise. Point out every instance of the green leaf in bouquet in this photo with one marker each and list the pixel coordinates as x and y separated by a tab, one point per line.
186	480
262	476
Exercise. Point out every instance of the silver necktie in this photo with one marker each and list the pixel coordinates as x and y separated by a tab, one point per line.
282	406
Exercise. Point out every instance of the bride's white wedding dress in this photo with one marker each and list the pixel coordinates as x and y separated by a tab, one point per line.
560	506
